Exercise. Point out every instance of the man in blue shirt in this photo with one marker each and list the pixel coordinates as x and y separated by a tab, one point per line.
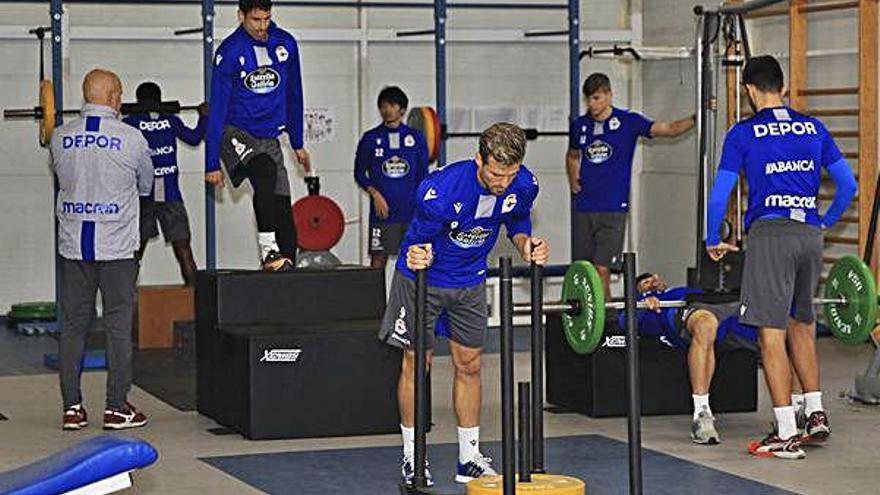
601	146
391	161
782	153
256	93
164	206
699	328
459	212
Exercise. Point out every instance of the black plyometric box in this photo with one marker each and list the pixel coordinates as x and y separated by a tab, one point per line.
298	303
322	380
233	297
595	384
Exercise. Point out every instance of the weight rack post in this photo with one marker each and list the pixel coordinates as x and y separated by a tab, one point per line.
537	384
632	376
524	443
507	434
419	480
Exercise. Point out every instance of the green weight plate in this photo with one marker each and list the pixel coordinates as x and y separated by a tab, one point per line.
32	311
851	279
583	284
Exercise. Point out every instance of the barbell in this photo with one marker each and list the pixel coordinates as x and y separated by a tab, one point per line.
850	302
45	112
427	120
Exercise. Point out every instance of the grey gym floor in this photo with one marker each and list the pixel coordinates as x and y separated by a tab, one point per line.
846	465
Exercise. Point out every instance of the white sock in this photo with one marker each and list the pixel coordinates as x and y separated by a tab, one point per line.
813	401
701	403
468	443
797	401
409	441
785	422
266	241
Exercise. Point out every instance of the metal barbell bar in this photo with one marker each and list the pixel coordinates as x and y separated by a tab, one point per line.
574	308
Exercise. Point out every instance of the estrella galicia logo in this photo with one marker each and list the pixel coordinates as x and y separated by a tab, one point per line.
472	238
262	81
395	167
598	152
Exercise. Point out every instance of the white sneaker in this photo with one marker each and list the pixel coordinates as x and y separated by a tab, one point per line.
703	430
480	465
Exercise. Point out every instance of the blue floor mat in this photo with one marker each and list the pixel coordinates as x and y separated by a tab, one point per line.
600	461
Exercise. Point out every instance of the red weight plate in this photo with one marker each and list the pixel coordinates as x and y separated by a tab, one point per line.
319	223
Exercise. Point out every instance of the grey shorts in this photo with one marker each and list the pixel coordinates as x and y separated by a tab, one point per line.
170	215
465	311
385	238
782	268
598	238
238	148
728	337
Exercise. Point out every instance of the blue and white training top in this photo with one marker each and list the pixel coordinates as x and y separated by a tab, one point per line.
256	86
102	165
394	161
162	132
607	148
782	153
462	219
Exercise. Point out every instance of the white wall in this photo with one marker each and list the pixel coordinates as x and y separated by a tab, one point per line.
480	76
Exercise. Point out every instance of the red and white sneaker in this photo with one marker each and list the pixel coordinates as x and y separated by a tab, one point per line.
817	429
773	446
121	419
75	418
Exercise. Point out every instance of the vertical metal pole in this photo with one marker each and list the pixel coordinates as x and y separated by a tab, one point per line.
56	14
738	115
704	93
420	384
207	69
507	435
537	386
574	76
632	376
525	458
440	72
872	228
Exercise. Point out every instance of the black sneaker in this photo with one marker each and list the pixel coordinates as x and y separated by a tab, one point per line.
817	429
276	262
773	446
408	472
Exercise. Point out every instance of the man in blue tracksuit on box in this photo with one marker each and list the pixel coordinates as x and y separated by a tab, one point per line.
782	153
164	206
256	94
390	162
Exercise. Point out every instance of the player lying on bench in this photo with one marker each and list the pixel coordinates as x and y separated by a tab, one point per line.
701	328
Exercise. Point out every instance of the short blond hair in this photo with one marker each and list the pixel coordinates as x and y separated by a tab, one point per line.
504	142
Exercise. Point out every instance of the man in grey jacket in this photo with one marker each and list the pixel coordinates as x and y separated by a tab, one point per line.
102	166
